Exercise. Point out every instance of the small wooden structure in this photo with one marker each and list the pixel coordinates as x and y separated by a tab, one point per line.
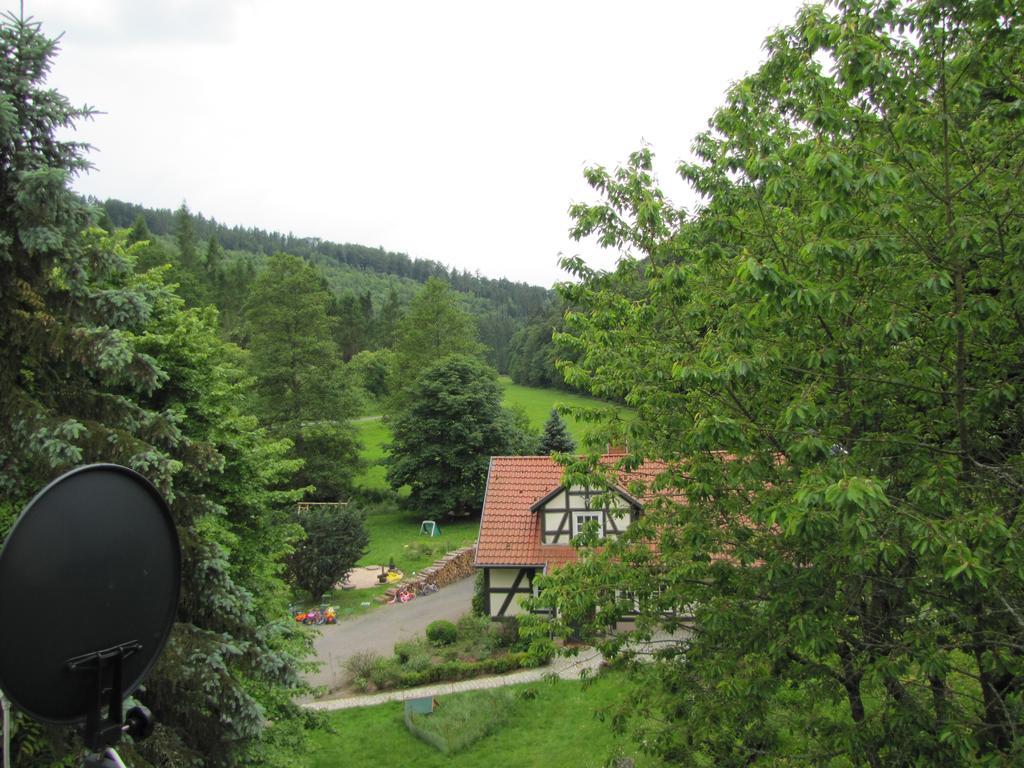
306	506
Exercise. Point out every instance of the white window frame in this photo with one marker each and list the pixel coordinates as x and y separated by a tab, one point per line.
588	515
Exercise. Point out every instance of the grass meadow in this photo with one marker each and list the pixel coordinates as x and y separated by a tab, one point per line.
536	402
557	726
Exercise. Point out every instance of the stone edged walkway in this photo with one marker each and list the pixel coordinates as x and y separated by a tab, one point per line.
564	667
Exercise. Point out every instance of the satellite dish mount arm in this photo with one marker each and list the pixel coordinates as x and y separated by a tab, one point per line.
106	667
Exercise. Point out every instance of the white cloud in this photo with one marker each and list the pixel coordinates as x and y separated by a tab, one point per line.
451	131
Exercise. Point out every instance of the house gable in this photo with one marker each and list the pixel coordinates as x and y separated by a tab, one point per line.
525	504
564	512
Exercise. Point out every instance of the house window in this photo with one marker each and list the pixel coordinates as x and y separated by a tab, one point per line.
582	518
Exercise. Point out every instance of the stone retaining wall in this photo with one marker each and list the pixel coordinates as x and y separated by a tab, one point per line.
456	565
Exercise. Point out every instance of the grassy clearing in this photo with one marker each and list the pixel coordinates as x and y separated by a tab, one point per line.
557	727
395	534
373	434
538	402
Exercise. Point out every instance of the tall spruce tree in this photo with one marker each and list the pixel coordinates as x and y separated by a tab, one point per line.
556	437
302	393
99	364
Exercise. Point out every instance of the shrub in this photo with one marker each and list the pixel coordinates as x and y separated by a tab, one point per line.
375	500
414	655
360	664
450	671
541	652
479	604
507	633
473	628
442	632
386	673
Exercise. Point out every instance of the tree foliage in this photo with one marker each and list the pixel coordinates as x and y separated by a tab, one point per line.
556	437
828	354
533	353
300	384
434	326
446	435
335	540
103	364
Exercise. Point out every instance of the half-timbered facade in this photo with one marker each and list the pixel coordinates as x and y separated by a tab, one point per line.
529	520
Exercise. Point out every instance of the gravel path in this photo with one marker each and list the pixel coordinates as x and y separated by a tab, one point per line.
567	668
379	630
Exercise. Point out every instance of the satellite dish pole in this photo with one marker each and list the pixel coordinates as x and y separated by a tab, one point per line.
101	541
5	705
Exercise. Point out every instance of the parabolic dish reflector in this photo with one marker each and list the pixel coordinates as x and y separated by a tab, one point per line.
92	564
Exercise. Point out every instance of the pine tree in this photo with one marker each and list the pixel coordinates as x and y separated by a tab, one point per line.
556	438
185	235
214	255
101	364
301	393
139	231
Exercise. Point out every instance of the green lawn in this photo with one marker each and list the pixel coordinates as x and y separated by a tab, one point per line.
535	401
373	435
538	402
558	727
396	535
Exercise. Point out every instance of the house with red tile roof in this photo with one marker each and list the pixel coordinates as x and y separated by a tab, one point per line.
529	519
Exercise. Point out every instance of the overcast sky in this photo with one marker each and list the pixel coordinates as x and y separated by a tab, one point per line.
453	131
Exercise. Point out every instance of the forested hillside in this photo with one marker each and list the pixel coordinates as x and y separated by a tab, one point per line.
353	272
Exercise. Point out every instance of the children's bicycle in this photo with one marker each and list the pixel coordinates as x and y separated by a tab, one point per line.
402	595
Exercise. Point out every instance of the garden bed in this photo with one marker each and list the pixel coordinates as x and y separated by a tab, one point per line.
474	647
459	721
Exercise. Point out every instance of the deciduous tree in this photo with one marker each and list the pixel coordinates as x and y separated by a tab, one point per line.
445	437
827	352
434	326
335	540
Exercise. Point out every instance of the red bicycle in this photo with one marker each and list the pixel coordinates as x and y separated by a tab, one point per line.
402	595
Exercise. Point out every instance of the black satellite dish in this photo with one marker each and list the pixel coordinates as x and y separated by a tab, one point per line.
89	580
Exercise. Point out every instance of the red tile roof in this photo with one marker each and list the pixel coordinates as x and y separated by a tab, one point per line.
509	531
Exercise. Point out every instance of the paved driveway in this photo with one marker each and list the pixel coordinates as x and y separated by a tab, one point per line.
380	629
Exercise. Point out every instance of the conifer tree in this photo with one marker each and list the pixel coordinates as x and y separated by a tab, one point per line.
185	235
556	438
139	230
301	392
100	364
214	255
